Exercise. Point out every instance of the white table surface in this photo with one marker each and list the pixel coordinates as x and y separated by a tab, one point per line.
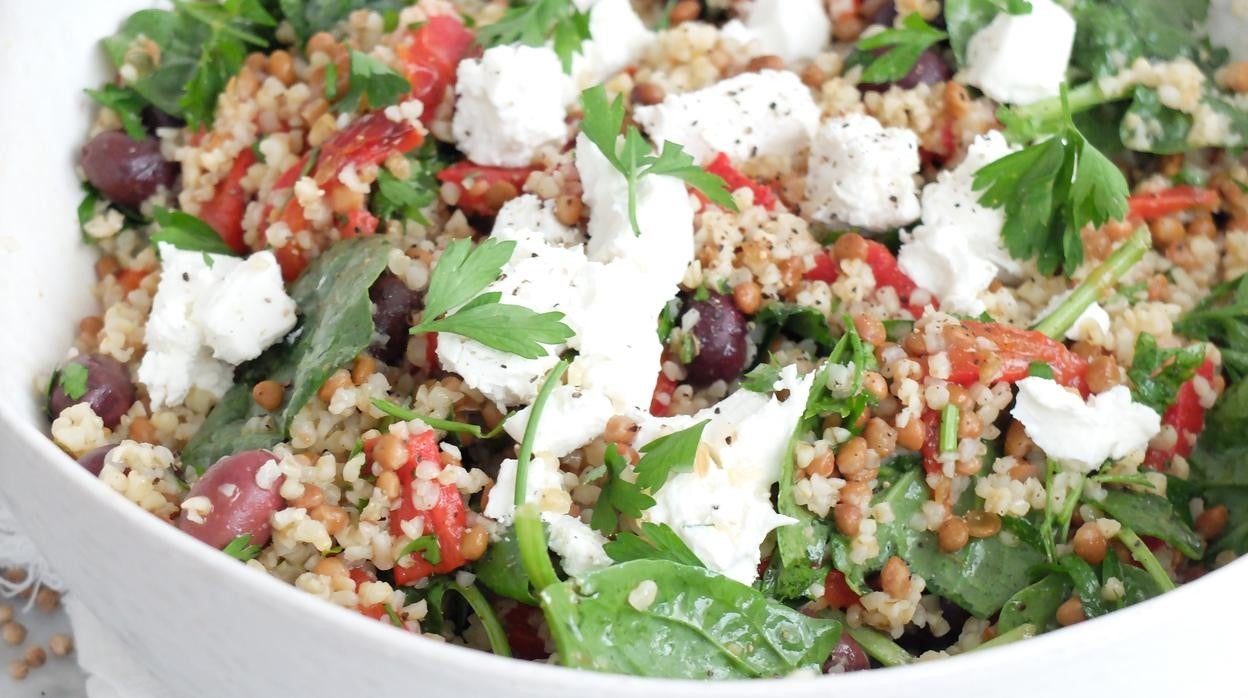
59	677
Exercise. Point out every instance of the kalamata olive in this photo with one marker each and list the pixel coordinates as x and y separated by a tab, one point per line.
721	339
886	15
124	170
106	388
239	504
93	461
154	118
393	305
847	656
931	68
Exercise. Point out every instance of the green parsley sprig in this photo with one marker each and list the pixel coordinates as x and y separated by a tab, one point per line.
674	453
656	542
463	272
1049	192
1222	318
186	232
241	548
904	46
619	497
372	80
633	157
533	23
73	380
126	104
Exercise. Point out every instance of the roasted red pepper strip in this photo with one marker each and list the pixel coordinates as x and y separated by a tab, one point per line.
224	211
360	576
722	166
358	222
931	442
1170	201
887	272
1016	349
661	403
825	269
474	182
447	519
1187	416
430	56
836	591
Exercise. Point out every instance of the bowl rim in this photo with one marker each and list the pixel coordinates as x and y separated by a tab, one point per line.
272	589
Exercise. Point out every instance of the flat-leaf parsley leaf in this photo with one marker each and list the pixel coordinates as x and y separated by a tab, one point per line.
904	46
634	158
73	380
533	23
374	80
674	453
1157	373
618	496
186	232
241	548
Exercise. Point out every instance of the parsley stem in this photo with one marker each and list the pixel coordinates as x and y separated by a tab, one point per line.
447	425
489	621
949	419
1021	632
1104	277
1026	123
525	454
531	540
1146	558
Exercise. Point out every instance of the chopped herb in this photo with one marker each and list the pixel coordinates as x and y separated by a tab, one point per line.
525	454
594	473
602	124
1157	374
849	401
1222	318
86	209
1049	192
241	548
688	350
404	414
674	453
406	199
761	379
1039	369
462	272
619	497
533	23
331	81
188	233
904	47
949	418
372	80
126	104
1101	280
73	380
668	319
428	547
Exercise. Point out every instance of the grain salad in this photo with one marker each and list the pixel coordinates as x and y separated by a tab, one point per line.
724	339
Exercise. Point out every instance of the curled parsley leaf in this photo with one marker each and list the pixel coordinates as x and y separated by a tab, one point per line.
533	23
633	157
903	47
1049	192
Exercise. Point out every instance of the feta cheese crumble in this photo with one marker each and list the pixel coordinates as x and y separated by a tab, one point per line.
210	312
753	114
957	251
1020	59
510	103
723	509
1083	435
791	29
862	174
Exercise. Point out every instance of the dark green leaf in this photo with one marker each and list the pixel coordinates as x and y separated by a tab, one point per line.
308	17
372	80
1150	127
801	546
656	542
699	626
800	321
126	104
761	379
502	572
1112	35
1157	374
1086	584
73	380
406	199
673	453
1036	604
186	232
1152	515
904	46
241	548
426	546
618	496
535	22
1222	318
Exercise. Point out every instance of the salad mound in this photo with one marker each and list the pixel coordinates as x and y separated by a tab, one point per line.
711	340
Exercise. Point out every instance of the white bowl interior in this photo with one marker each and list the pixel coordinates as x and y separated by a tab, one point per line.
207	626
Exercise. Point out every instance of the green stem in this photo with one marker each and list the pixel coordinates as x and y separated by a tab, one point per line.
879	646
447	425
525	454
485	613
1047	116
949	419
1068	507
1146	558
1104	277
1051	471
531	540
1021	632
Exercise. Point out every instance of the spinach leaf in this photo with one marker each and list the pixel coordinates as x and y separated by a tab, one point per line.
699	625
336	324
1222	318
656	542
1220	466
1036	604
966	17
1086	584
1148	126
800	546
1158	373
800	321
1152	515
1111	34
308	17
502	572
980	577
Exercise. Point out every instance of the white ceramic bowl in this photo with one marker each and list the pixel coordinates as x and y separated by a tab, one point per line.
208	626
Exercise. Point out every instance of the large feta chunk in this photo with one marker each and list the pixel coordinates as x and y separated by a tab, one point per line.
618	38
862	174
1083	435
722	509
209	304
791	29
1020	59
957	251
753	114
1228	27
248	311
510	103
